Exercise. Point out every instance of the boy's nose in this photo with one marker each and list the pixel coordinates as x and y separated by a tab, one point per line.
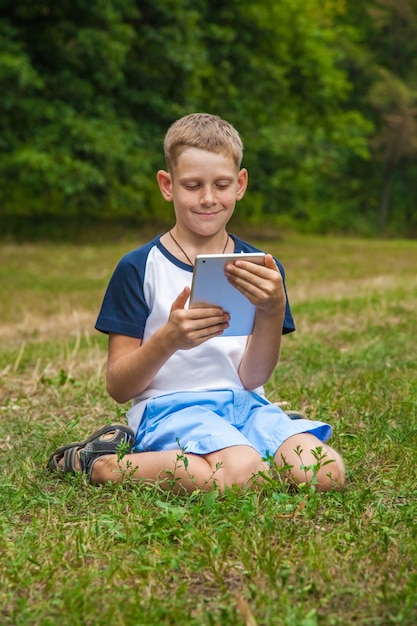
208	197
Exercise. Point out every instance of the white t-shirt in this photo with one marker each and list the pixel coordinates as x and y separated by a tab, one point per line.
138	301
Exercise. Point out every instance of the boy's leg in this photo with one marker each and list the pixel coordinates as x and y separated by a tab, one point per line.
310	459
305	456
173	469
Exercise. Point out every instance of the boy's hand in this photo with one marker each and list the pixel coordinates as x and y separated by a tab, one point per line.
261	284
189	328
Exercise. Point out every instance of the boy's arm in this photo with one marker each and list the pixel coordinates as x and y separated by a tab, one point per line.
132	365
263	285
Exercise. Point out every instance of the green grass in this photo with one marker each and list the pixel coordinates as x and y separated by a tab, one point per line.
74	554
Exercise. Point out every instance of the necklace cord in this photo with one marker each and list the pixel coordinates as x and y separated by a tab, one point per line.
184	252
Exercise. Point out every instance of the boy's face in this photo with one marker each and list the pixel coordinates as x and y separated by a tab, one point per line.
204	188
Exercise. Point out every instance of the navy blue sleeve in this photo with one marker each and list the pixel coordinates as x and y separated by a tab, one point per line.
288	325
124	309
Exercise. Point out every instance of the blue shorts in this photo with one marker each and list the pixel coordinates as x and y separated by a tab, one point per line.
203	422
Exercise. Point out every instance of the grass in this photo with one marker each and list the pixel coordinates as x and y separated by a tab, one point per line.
78	555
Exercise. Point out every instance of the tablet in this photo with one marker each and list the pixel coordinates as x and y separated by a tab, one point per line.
210	287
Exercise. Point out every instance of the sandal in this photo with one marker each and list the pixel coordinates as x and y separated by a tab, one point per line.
91	449
295	415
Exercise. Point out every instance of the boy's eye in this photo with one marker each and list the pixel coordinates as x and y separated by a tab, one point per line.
221	185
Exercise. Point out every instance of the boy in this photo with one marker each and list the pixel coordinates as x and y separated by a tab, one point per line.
199	417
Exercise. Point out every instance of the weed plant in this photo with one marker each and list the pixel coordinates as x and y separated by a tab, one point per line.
133	555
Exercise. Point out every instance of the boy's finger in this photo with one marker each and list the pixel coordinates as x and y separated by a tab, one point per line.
181	300
270	262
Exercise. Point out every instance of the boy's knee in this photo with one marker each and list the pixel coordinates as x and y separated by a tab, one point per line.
331	475
240	466
246	472
307	460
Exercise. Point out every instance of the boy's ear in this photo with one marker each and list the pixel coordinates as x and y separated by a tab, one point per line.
165	184
242	183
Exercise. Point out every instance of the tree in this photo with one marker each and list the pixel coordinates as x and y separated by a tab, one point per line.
383	68
394	92
395	143
92	86
65	148
275	70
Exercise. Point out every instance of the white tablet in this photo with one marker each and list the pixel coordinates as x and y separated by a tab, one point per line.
210	287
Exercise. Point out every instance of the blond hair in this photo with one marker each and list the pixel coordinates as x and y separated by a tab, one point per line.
204	131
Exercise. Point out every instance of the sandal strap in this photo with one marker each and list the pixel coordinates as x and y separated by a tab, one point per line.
87	460
108	428
295	415
67	453
70	457
96	447
118	429
99	447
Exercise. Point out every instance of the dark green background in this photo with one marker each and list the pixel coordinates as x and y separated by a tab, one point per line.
324	94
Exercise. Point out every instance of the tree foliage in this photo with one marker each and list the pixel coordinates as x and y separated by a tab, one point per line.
89	89
65	147
384	68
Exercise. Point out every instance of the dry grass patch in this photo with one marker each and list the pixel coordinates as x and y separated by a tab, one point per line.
346	289
38	327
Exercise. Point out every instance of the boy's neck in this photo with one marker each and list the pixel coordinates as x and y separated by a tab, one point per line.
187	250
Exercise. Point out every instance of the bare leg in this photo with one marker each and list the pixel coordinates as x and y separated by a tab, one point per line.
238	465
173	469
309	460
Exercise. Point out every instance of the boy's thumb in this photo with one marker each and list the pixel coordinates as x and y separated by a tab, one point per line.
181	300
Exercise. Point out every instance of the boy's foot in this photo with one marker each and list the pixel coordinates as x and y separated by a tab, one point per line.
295	415
80	456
